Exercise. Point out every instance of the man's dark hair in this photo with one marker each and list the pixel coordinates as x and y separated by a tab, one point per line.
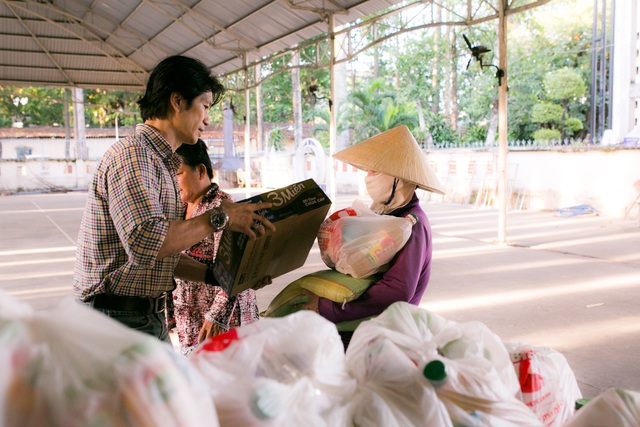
187	76
193	155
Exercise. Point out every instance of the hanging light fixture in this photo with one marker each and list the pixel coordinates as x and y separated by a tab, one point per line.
477	53
313	89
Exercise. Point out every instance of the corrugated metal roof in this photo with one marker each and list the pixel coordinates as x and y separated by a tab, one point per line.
116	43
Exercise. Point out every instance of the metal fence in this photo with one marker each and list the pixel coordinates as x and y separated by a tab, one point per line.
527	145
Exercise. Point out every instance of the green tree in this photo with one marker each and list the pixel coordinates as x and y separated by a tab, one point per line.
374	110
319	118
546	135
440	130
414	68
31	105
102	107
276	139
277	90
477	88
572	125
45	106
551	37
547	113
564	85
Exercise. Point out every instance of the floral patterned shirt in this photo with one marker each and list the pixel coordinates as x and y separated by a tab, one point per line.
193	302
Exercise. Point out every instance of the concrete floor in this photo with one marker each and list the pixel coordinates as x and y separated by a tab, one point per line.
570	283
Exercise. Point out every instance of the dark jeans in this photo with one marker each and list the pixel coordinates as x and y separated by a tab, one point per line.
149	323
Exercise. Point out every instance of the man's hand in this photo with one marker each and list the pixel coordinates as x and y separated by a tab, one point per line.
244	219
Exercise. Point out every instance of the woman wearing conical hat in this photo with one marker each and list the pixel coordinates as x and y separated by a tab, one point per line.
395	167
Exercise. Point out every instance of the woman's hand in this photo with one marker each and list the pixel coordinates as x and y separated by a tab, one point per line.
244	219
311	303
262	283
208	330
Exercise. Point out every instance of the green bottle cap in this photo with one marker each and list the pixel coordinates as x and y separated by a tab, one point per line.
581	402
435	371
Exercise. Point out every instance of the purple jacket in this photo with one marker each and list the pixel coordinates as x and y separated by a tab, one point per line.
406	280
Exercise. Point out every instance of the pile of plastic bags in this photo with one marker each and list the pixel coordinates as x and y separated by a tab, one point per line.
72	366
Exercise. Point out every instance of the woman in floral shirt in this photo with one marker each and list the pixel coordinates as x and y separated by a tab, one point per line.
200	310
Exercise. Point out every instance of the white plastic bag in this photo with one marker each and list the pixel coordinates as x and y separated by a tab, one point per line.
424	335
390	391
612	408
73	366
277	371
465	387
483	389
359	242
548	384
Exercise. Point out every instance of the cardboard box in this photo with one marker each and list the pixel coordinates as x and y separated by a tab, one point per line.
298	211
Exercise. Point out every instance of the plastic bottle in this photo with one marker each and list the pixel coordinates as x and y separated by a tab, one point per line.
581	402
436	373
471	403
265	402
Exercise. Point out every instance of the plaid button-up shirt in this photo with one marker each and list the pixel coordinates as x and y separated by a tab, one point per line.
132	198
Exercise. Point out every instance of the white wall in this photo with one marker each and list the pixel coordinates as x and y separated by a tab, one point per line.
54	148
602	178
540	180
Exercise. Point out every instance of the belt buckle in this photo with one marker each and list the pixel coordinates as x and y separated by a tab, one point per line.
159	303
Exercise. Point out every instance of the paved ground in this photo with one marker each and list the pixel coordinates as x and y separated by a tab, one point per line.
570	283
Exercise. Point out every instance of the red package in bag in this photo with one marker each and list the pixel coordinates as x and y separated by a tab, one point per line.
358	242
547	383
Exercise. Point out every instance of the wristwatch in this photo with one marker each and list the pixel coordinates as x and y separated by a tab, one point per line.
219	219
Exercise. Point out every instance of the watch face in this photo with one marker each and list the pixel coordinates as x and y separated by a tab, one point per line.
218	219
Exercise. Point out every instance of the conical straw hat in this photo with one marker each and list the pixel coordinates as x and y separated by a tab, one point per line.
396	153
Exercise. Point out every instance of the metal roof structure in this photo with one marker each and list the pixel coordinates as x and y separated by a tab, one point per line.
116	43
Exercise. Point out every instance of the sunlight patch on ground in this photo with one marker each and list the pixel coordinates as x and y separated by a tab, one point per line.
25	276
39	211
40	292
522	266
453	253
583	334
38	251
509	297
588	241
36	262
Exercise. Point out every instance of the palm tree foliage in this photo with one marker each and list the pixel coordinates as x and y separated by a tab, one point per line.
372	110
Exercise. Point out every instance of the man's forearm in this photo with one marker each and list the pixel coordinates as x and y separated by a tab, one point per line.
183	234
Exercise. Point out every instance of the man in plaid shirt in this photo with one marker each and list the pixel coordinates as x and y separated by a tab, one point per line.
132	230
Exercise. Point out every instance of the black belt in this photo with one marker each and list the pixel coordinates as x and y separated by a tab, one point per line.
124	303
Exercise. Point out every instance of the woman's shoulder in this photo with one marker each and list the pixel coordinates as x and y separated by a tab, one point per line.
214	197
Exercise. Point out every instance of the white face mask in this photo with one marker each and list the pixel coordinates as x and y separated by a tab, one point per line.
380	186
